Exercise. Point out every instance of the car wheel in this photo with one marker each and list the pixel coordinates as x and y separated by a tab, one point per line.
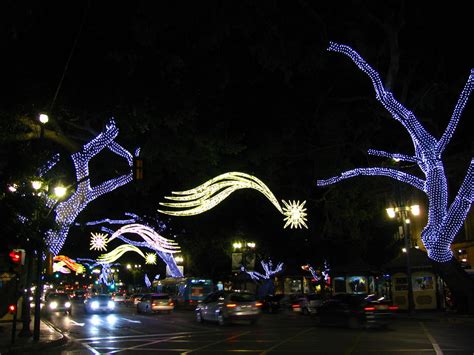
220	319
353	323
199	317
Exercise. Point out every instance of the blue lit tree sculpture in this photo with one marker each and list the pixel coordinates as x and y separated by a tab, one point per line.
267	286
68	210
444	219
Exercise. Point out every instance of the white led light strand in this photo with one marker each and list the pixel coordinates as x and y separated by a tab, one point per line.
208	195
267	267
67	211
443	221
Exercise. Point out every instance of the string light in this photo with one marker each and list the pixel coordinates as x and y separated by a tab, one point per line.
444	221
208	195
99	241
60	261
68	210
267	267
150	258
118	252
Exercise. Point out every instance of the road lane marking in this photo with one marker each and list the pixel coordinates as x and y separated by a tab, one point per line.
131	320
146	335
76	323
432	340
285	341
216	342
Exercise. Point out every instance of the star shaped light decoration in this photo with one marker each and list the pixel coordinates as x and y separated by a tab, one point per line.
150	258
295	214
99	241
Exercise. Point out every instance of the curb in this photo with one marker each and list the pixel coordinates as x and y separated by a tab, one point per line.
35	347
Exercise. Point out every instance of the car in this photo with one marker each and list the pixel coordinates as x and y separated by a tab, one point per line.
271	303
134	299
308	304
228	306
155	302
99	303
58	302
355	311
79	295
119	297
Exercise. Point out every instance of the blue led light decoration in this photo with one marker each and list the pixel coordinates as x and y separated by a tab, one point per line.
68	210
444	220
267	267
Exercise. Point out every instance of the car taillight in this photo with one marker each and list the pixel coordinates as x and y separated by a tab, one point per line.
393	308
369	309
295	305
170	303
231	305
258	304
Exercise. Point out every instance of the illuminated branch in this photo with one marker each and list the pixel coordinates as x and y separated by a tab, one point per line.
206	196
394	174
67	211
395	156
443	221
267	267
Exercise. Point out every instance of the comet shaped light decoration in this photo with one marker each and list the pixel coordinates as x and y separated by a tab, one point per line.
208	195
117	253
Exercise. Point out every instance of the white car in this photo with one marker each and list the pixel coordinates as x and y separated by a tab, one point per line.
155	302
119	297
99	303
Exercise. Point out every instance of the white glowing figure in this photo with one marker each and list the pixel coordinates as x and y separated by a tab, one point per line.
99	241
117	253
151	238
267	267
295	214
212	192
444	220
150	258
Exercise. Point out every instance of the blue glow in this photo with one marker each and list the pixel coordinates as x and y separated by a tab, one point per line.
444	221
267	267
67	211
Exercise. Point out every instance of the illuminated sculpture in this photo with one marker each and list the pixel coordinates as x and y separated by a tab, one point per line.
211	193
150	258
64	264
118	252
164	248
444	220
267	267
68	210
98	241
147	281
105	273
324	273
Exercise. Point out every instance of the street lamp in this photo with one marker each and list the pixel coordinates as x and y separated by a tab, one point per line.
43	118
402	214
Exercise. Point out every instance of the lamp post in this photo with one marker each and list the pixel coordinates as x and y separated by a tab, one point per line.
402	214
245	249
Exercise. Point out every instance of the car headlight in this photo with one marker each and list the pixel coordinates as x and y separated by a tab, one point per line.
95	305
53	305
111	304
67	304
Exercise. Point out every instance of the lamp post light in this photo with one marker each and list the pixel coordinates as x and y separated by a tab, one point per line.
402	214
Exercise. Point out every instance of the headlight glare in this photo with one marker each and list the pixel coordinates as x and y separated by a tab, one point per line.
53	305
95	305
111	304
67	304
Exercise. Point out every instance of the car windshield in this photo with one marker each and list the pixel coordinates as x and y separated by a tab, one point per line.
101	298
242	297
160	297
57	297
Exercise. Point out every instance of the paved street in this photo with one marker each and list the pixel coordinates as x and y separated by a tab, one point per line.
284	333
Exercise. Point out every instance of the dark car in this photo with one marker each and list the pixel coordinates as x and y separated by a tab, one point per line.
79	295
228	306
271	303
99	303
58	302
355	311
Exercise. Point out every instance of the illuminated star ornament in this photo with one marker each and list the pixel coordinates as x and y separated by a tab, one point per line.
444	219
99	241
295	214
208	195
150	258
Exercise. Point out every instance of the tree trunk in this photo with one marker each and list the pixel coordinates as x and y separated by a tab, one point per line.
459	283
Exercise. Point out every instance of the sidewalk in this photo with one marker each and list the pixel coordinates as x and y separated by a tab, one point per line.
49	338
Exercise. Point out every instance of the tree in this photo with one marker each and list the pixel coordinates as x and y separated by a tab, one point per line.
444	219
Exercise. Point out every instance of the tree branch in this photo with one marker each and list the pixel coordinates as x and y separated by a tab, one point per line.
397	156
394	174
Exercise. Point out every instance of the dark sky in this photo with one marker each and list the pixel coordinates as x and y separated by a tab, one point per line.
210	87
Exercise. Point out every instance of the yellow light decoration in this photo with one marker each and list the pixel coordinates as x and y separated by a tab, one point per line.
117	253
208	195
99	241
150	258
295	214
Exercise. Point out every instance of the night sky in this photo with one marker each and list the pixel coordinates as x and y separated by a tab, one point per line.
211	87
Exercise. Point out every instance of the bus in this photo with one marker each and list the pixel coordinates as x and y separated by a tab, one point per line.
185	291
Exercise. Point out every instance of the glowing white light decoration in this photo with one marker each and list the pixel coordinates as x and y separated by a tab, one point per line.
208	195
99	241
147	281
150	258
68	210
118	252
267	267
151	238
444	221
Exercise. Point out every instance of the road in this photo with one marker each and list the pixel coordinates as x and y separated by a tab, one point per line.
126	332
